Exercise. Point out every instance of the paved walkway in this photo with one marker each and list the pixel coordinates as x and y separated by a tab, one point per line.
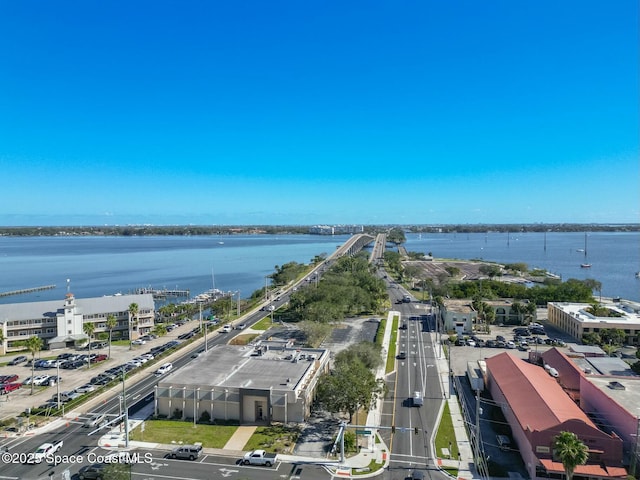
240	438
358	463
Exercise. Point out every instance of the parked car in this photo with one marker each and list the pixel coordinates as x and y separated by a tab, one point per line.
190	452
139	341
18	360
40	380
9	387
92	472
86	388
260	457
52	380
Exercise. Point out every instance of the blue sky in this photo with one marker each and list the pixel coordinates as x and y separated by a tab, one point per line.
254	112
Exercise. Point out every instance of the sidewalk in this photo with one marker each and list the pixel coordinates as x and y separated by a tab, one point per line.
378	452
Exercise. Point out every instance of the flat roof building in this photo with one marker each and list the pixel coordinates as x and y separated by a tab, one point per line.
270	382
576	320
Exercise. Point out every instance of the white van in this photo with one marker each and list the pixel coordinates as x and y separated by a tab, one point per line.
417	400
165	368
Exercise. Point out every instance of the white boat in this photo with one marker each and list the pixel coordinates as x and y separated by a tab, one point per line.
585	265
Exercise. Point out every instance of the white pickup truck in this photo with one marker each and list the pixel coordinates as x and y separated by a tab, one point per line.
44	451
260	457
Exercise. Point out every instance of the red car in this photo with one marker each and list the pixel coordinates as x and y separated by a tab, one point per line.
99	358
9	387
8	378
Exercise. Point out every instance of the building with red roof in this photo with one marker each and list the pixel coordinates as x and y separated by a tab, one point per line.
537	408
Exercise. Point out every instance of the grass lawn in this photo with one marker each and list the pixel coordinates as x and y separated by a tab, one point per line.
263	324
243	339
173	431
446	436
275	439
391	355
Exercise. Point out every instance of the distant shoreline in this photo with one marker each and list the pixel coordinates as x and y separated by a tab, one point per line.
182	230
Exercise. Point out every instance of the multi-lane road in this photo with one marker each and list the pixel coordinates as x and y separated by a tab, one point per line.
409	441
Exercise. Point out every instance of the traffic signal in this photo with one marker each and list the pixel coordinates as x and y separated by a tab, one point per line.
393	429
416	430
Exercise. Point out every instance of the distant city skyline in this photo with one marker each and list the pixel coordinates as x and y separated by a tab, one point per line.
290	113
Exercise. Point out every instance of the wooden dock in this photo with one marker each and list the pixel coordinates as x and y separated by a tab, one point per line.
163	293
27	290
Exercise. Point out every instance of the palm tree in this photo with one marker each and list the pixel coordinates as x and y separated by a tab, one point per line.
2	341
571	451
112	322
34	345
89	328
160	329
133	312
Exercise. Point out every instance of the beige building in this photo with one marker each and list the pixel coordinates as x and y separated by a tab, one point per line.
60	322
458	316
574	319
272	382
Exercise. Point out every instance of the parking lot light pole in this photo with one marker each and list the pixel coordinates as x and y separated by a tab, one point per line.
58	383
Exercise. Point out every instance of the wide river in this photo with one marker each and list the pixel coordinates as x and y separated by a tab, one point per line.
96	266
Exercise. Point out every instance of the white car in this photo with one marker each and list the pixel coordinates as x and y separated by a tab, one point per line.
511	345
86	388
40	379
139	341
165	368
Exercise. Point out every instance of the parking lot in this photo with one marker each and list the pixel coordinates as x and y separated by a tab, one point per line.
17	401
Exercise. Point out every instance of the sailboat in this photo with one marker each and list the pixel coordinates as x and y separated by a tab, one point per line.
585	264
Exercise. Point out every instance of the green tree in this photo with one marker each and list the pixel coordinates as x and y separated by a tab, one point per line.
315	332
34	345
112	322
396	235
160	329
89	328
368	353
349	387
571	451
490	270
133	313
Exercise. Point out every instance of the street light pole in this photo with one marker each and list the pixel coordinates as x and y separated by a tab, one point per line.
125	410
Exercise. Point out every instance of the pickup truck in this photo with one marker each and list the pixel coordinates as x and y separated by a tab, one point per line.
45	450
260	457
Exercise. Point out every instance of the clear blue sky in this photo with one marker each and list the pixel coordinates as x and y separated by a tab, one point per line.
307	112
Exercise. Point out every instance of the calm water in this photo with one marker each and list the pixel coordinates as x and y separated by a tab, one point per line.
100	266
614	257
